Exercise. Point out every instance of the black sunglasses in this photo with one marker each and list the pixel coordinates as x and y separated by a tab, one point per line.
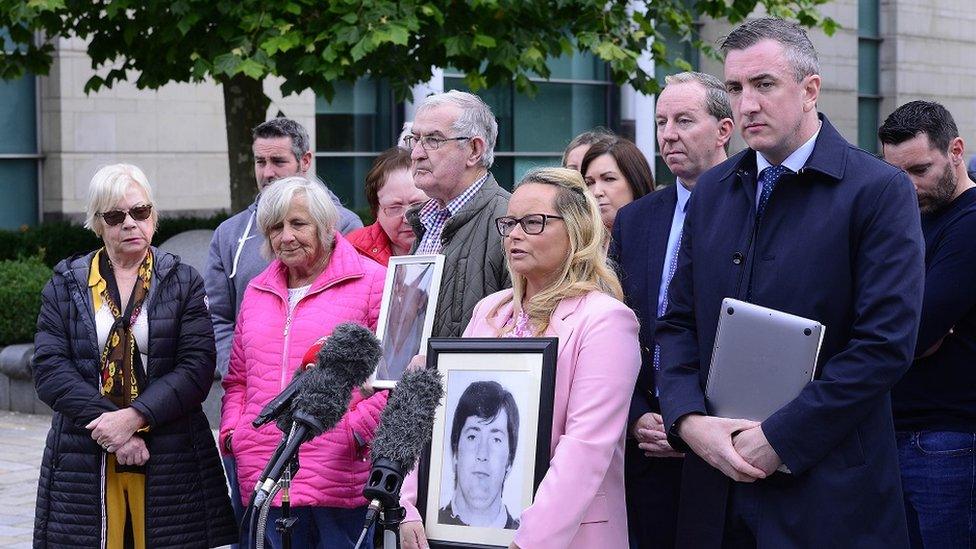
138	213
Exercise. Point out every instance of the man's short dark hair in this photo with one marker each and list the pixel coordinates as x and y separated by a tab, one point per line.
284	127
918	117
796	44
484	399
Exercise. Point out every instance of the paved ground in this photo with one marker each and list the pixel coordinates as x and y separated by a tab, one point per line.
21	445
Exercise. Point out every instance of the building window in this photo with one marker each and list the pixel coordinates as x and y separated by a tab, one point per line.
19	158
361	121
868	74
533	131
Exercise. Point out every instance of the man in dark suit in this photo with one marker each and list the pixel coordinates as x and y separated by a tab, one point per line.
806	223
694	124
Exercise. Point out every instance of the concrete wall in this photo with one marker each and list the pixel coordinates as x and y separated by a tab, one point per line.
929	52
175	134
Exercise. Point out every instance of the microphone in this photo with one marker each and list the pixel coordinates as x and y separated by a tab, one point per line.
405	429
272	410
345	361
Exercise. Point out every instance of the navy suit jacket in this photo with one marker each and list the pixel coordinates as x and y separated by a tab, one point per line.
839	242
639	244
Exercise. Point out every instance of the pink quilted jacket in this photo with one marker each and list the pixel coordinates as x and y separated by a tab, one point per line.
267	350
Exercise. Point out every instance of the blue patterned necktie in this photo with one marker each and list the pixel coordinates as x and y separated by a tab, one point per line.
672	265
768	179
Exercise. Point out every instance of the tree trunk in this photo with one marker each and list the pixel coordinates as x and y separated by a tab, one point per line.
245	106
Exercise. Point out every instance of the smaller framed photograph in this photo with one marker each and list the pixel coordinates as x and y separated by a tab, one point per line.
490	445
413	284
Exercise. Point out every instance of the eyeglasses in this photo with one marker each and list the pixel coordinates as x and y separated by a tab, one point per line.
428	142
138	213
531	223
399	209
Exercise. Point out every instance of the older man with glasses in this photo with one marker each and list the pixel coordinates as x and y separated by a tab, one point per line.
451	146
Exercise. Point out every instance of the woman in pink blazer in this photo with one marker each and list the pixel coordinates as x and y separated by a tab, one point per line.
555	246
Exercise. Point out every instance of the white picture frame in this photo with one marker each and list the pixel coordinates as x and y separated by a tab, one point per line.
410	296
524	369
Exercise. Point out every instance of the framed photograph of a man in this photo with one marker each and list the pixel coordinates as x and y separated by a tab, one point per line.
490	445
406	313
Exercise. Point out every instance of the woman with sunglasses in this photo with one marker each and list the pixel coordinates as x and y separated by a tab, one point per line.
390	192
554	243
124	355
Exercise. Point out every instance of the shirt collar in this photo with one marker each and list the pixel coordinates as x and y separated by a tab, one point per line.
795	161
431	209
683	195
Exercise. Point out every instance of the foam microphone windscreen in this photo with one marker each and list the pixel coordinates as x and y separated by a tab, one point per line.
345	361
406	423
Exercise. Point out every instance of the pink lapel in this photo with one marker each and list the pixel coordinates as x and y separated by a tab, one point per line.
560	324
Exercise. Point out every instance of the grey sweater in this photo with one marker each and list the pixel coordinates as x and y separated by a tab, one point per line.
235	258
474	264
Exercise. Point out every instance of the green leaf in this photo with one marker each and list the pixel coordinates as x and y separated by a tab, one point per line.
484	41
399	35
227	64
253	69
359	50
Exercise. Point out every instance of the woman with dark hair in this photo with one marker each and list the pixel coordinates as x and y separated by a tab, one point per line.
390	192
617	173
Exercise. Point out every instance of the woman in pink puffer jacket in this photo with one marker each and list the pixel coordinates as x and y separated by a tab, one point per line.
313	284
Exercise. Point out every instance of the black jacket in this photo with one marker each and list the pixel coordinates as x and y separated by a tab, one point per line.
187	503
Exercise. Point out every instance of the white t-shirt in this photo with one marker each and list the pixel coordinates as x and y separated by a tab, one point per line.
104	321
295	295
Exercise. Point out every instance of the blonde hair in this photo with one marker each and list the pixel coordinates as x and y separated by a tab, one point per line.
107	187
586	268
276	199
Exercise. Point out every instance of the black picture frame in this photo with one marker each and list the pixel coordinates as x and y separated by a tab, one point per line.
487	355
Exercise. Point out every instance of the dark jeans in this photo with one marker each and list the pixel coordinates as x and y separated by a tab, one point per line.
230	469
321	527
938	476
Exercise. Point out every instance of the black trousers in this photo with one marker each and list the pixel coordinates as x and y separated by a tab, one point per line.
653	487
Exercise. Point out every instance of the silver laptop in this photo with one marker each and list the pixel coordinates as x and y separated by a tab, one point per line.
761	361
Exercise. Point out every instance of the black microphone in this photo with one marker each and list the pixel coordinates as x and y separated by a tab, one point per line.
272	410
346	361
405	429
282	402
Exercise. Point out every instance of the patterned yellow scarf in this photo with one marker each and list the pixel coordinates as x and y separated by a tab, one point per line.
122	374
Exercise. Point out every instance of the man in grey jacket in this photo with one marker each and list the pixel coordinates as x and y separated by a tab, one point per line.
281	149
452	143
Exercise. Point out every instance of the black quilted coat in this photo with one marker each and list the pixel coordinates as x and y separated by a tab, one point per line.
187	504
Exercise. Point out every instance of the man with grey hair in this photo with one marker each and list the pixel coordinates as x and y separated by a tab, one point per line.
452	144
694	123
801	222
